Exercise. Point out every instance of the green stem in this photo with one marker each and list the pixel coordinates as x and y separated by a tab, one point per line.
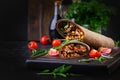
39	53
54	74
59	74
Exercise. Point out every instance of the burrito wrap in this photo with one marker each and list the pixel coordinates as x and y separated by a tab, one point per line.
97	40
91	38
74	49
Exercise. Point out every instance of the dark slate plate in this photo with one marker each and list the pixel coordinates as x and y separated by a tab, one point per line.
105	67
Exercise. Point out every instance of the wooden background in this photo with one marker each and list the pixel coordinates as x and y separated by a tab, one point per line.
40	13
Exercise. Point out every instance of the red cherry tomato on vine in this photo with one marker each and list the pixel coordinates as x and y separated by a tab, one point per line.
56	42
94	53
45	40
32	45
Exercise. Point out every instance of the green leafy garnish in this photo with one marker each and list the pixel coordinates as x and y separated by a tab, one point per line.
94	13
37	53
100	59
117	43
66	26
59	71
63	43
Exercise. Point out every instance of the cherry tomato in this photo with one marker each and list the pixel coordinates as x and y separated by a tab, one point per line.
45	40
98	54
32	45
53	52
56	42
94	53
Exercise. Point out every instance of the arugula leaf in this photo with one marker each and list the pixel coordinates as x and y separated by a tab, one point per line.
46	71
38	53
63	43
100	59
64	68
59	71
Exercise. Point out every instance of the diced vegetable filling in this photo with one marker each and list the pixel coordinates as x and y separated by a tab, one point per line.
73	32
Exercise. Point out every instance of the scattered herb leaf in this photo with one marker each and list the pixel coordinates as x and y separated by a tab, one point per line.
117	43
38	53
59	71
100	59
63	43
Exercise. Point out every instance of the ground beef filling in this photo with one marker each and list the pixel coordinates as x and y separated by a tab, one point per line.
73	50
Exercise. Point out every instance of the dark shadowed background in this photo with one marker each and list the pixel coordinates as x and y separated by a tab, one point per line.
13	20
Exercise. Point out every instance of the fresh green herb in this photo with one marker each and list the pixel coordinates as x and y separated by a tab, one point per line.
59	71
117	43
63	43
93	13
100	59
37	53
66	26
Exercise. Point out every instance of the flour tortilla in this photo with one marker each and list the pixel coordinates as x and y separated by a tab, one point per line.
91	38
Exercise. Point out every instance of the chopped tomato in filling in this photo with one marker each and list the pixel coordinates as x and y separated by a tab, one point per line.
73	32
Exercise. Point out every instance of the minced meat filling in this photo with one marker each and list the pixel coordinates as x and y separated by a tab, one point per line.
73	50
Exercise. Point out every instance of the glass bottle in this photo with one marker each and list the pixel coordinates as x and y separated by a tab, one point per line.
57	15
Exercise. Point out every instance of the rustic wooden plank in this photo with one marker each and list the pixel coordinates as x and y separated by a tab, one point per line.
33	19
40	13
48	14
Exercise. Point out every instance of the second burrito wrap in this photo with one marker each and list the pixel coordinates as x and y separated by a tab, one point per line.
70	30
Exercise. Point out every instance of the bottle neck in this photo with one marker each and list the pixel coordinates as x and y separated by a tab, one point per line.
57	9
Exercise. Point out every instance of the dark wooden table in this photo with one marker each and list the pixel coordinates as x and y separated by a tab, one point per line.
12	65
